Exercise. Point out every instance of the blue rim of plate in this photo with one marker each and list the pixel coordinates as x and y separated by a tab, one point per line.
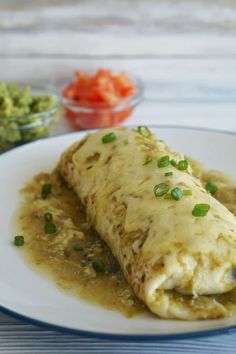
123	337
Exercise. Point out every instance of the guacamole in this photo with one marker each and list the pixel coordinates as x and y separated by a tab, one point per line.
25	116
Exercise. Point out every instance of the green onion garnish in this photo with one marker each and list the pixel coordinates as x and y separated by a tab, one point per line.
48	217
46	190
176	193
108	138
167	174
183	165
125	141
211	187
50	228
19	240
98	266
164	161
161	189
173	162
200	210
187	192
78	248
144	131
148	161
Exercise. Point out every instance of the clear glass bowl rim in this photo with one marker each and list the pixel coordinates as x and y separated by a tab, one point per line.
46	114
122	104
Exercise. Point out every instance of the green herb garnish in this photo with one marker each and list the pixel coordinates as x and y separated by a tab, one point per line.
167	174
46	190
99	266
48	217
173	162
211	187
19	240
164	161
50	228
176	193
200	210
161	189
108	138
183	165
148	161
144	131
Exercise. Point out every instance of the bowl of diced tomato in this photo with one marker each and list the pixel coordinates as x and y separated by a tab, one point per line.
100	100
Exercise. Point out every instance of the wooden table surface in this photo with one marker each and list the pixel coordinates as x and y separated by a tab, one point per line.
185	53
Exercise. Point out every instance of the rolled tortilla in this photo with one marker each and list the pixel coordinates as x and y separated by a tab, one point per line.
178	264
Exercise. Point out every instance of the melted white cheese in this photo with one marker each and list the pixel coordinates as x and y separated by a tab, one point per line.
170	257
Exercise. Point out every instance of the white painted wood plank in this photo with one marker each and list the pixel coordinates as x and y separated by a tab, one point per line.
94	44
222	117
200	80
118	28
162	16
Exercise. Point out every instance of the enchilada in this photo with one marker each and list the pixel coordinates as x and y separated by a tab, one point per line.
175	243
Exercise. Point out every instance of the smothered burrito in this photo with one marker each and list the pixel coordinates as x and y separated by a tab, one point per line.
175	243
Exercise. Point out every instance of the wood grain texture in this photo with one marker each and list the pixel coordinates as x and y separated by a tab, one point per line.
118	28
165	80
149	16
95	45
185	53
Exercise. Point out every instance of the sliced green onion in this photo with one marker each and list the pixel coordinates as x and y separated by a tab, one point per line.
167	174
211	187
50	228
161	189
183	165
200	210
46	190
48	217
99	266
148	161
164	161
144	131
108	138
19	240
78	248
173	162
176	193
187	192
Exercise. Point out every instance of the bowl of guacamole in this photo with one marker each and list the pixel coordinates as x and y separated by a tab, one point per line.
26	113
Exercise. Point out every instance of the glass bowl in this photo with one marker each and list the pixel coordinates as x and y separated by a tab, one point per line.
99	115
18	130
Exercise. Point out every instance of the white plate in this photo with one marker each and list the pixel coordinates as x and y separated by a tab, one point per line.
28	295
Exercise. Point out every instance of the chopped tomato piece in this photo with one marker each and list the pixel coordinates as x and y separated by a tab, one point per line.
101	93
104	87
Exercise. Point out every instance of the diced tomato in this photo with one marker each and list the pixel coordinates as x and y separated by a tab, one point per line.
104	88
70	91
